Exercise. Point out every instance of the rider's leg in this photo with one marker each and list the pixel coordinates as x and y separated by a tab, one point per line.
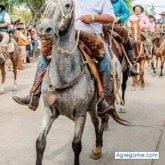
32	100
3	54
130	55
3	46
105	73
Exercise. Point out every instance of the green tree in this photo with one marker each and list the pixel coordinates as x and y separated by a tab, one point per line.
129	3
35	7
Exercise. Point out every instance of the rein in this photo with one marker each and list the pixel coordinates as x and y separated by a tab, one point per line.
65	52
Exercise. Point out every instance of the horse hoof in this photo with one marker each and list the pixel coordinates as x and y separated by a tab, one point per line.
142	86
122	110
96	153
14	88
154	71
1	89
133	88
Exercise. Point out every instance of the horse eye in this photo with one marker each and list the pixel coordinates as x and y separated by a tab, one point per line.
67	5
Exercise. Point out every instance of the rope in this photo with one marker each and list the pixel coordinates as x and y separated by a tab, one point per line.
61	50
118	98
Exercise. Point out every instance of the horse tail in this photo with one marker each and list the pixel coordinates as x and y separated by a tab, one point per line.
118	119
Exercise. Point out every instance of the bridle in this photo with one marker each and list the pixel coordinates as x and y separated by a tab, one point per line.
65	17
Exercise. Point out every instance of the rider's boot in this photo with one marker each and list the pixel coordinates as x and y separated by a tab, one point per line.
130	55
103	106
32	100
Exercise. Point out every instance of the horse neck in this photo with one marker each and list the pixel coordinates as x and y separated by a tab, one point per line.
64	68
136	30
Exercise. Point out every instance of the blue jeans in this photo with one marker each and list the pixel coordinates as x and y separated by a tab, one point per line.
104	64
42	62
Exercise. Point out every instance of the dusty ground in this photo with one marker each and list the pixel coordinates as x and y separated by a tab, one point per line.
20	127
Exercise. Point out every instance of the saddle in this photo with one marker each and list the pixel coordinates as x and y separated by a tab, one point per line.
91	47
118	32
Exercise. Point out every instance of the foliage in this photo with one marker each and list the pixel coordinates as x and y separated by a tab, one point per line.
23	14
128	2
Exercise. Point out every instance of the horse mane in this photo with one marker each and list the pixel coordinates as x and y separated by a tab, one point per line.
50	5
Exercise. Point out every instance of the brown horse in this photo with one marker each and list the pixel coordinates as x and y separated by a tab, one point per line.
158	51
13	55
139	50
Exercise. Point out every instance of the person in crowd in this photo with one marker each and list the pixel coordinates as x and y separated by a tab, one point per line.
4	29
152	24
121	16
22	42
161	21
140	16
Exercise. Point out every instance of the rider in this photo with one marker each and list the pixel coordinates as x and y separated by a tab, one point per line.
152	24
139	16
4	24
95	13
122	14
144	24
162	21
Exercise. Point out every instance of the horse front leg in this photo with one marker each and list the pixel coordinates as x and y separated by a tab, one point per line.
76	143
97	150
48	119
14	60
141	78
162	58
3	73
124	86
152	63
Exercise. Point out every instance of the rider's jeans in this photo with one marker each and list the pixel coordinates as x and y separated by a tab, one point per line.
42	62
104	64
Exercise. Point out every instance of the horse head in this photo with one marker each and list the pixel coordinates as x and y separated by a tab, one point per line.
136	31
57	17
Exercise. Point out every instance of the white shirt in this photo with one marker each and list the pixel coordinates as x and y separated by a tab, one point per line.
92	7
7	18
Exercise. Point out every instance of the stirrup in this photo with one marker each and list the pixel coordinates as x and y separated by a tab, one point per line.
102	107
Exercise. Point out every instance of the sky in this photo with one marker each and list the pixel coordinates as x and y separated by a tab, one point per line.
159	5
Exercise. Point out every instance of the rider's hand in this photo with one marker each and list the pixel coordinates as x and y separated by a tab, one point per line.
87	19
116	20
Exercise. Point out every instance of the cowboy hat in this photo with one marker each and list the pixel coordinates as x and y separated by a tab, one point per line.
162	13
139	7
2	6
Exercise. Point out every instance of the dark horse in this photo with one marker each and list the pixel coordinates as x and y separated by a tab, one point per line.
13	55
68	88
115	42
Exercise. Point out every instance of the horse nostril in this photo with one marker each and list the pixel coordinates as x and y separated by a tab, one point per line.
48	30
